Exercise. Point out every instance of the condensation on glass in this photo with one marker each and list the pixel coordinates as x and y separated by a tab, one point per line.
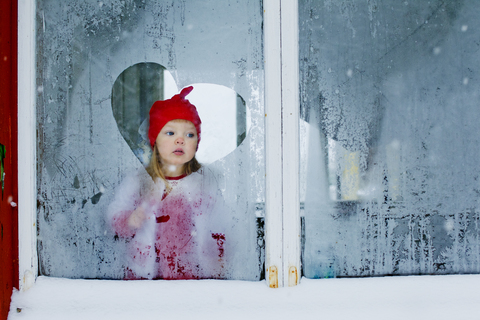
101	64
389	137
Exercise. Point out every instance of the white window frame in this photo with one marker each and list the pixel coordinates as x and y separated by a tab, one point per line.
282	227
27	193
282	221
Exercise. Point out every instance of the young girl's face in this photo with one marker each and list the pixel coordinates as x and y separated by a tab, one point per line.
176	144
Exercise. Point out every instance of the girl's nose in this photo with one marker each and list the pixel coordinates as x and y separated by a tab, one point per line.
180	141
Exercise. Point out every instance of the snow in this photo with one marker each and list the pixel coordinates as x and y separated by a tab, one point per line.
411	297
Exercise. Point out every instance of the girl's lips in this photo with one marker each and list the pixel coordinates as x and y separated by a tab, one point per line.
178	152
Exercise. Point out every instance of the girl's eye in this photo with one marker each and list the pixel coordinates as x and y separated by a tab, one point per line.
169	133
190	135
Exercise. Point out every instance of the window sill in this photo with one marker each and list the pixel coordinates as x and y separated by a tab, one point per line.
412	297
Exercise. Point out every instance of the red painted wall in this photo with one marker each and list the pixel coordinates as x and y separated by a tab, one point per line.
8	138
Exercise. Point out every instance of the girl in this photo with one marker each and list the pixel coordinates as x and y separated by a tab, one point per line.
168	212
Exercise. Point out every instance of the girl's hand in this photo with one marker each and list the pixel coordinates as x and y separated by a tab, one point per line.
136	219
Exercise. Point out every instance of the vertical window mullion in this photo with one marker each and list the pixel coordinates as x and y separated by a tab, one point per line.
290	142
282	158
27	251
273	145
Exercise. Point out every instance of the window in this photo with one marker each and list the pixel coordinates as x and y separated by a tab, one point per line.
367	133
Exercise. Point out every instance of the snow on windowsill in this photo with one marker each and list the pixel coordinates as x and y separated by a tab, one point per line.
413	297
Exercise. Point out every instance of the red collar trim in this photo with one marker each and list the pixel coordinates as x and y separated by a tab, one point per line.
176	178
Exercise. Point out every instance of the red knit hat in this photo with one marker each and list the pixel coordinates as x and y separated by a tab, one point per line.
177	107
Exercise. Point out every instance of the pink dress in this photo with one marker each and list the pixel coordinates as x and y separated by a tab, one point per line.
180	239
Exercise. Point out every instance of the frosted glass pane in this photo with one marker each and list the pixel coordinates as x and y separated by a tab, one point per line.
101	65
389	136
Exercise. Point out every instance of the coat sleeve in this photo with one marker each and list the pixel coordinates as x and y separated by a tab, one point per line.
126	199
136	190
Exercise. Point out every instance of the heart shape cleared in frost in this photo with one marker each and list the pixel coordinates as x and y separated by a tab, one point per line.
223	112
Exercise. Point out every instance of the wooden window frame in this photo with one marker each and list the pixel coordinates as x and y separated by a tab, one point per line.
27	193
282	217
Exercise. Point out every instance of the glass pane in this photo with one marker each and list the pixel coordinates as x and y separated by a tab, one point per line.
389	109
101	65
